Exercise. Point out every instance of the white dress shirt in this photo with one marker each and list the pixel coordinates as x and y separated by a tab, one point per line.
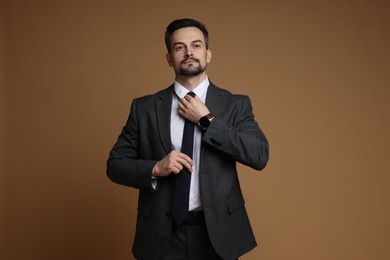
177	127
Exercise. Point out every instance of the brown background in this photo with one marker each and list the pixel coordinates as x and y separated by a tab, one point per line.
318	73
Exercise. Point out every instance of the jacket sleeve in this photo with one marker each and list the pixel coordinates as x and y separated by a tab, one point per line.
237	134
124	165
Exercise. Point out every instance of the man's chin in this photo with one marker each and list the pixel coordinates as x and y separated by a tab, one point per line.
191	71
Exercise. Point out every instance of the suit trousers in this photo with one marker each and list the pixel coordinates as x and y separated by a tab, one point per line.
190	241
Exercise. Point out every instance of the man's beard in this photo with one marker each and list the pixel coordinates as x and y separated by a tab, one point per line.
192	70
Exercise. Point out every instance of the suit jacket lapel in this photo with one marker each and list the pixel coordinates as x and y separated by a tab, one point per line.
163	111
213	100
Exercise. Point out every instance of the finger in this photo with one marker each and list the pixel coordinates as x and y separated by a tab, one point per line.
185	157
176	169
188	167
186	163
182	106
178	166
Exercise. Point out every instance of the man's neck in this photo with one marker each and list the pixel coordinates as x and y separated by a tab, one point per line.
192	82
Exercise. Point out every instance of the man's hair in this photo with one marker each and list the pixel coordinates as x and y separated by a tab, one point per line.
183	23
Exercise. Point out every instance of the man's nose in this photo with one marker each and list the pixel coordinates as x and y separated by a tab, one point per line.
188	52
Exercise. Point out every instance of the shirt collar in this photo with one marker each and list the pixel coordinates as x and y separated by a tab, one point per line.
199	90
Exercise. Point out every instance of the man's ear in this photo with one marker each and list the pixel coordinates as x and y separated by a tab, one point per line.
169	59
209	54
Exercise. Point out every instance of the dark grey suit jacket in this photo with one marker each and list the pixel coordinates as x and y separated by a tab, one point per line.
233	136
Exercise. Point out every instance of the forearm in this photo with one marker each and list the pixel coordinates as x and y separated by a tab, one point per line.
134	173
236	134
248	145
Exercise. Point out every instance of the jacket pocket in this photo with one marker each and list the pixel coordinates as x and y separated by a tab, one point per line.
235	203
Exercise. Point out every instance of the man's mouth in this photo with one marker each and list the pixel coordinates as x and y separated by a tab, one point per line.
189	61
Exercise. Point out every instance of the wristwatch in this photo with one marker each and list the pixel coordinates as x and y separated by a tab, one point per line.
204	121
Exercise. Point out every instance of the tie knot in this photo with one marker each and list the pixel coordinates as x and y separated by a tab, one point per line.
192	94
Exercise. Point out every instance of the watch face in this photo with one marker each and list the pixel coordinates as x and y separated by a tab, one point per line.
204	122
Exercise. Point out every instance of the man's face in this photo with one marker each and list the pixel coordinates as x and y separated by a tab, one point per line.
189	56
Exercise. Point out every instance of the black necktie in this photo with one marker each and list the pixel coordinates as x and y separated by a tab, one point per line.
181	192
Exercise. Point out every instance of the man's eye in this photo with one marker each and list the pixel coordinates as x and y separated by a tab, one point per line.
179	48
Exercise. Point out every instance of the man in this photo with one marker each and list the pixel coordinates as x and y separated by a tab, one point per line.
148	156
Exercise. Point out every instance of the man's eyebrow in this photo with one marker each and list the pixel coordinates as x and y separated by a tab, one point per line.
177	43
196	41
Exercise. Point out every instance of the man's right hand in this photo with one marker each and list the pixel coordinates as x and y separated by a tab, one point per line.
173	163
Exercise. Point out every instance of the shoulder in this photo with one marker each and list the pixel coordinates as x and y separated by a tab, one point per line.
152	98
227	95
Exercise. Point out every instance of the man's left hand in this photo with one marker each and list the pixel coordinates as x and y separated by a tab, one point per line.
192	108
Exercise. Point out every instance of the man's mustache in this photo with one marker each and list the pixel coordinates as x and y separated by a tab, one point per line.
189	58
